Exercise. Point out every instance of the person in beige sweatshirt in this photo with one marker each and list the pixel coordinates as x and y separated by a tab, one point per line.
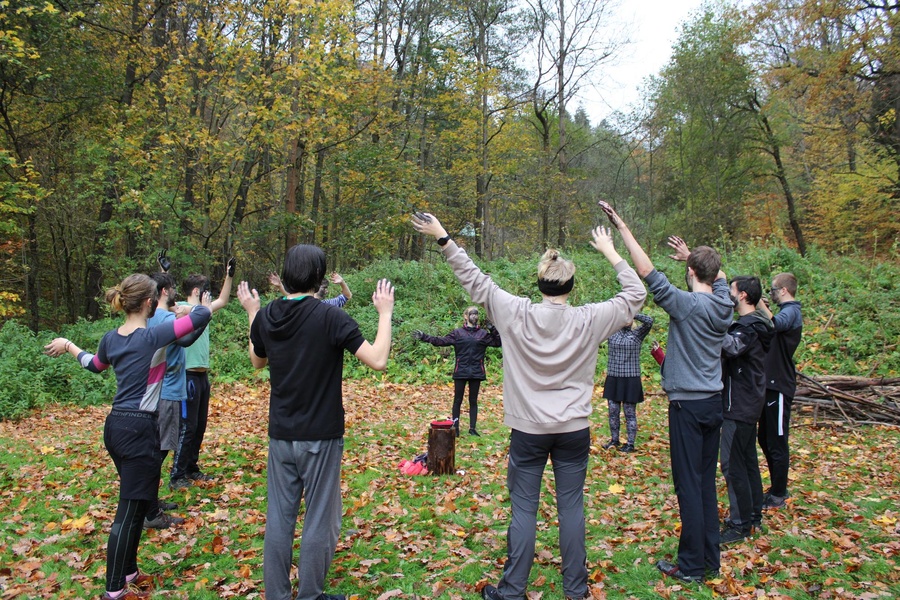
549	362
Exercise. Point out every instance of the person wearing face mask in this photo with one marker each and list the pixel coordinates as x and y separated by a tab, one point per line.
781	384
692	379
469	345
622	388
743	358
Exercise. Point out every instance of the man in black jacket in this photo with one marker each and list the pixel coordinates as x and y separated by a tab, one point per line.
781	384
743	373
469	344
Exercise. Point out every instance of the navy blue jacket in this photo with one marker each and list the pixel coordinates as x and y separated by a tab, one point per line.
469	345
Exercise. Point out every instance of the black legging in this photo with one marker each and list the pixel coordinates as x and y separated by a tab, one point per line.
459	388
122	547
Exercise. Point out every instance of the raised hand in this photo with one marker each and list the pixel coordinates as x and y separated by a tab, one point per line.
383	297
428	224
164	263
611	214
680	247
602	241
230	266
248	298
336	279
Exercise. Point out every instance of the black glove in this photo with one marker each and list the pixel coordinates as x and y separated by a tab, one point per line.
164	263
232	263
418	334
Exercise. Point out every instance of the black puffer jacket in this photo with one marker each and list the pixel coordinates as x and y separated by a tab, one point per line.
743	367
469	344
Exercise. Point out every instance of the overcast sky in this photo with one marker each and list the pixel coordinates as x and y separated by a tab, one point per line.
655	25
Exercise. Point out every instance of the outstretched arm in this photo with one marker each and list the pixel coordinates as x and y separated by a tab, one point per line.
222	300
642	263
345	289
375	355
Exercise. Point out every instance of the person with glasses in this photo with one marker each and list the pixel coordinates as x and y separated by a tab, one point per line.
470	342
781	384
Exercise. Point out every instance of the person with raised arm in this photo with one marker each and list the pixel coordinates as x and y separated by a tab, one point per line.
692	379
550	352
137	354
303	341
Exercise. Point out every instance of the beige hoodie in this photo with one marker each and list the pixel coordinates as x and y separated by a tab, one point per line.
549	350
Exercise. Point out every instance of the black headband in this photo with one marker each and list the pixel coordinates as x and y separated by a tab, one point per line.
555	288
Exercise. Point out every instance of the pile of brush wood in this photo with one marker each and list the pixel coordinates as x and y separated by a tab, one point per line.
848	400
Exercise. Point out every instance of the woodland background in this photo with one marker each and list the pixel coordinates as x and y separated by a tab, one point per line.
239	128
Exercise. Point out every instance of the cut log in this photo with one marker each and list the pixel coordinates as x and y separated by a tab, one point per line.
442	451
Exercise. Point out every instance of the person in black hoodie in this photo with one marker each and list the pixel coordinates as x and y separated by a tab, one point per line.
303	341
469	344
781	384
744	378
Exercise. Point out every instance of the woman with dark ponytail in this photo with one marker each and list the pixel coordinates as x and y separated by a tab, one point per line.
131	434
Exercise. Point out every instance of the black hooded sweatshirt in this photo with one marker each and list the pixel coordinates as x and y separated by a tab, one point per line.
743	367
304	341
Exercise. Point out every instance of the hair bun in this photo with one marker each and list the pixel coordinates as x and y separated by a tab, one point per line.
552	254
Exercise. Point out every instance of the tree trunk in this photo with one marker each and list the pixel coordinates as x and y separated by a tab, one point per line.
442	451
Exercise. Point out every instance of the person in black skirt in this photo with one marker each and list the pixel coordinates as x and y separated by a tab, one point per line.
623	389
469	344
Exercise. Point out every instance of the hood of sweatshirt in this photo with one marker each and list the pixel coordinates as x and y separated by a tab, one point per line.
285	316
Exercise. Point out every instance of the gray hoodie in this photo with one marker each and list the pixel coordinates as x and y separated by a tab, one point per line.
698	322
549	350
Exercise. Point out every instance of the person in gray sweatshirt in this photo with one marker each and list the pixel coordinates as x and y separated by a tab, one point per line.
692	379
549	361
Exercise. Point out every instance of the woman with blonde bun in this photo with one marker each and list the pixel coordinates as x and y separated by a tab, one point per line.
549	361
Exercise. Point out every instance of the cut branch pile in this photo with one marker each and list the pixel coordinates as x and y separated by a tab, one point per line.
850	400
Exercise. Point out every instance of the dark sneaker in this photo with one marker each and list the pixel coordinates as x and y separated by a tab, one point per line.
200	476
611	444
774	502
167	505
180	484
673	570
490	592
473	432
626	448
732	534
757	528
162	521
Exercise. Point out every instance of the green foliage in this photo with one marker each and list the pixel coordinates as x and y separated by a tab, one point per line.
851	322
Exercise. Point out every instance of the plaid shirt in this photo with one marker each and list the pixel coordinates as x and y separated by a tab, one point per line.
625	349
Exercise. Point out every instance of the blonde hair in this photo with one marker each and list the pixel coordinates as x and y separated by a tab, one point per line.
130	295
555	268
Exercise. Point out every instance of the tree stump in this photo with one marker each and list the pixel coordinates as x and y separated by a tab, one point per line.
442	451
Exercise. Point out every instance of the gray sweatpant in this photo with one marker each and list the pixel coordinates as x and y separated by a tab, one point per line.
528	455
311	470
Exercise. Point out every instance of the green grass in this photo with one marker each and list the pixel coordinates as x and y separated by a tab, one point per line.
440	537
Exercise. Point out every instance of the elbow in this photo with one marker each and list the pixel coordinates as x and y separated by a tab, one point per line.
379	365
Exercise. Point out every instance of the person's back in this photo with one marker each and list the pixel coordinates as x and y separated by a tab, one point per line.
304	341
698	322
